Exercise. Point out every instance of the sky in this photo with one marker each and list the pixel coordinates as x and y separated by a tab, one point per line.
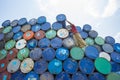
102	15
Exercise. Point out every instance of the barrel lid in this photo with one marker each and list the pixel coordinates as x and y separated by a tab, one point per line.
49	56
62	33
23	53
3	54
7	29
116	47
25	28
35	54
56	42
1	36
14	23
113	76
61	17
56	26
62	53
107	48
32	21
36	28
8	36
44	43
22	21
18	35
41	19
27	65
46	26
70	66
17	76
40	66
79	76
89	41
99	40
5	75
13	65
21	44
96	76
91	52
84	34
16	29
31	76
105	55
86	66
115	67
32	43
68	42
115	57
2	44
77	53
93	34
39	35
109	40
102	65
87	27
10	44
46	76
12	54
50	34
55	66
3	64
6	23
62	76
28	35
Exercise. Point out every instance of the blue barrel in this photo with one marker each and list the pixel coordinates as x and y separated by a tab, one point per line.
41	19
56	26
70	66
44	43
87	27
46	76
99	48
31	44
62	76
55	66
36	28
83	34
40	66
91	52
78	29
86	66
48	54
32	21
8	36
109	40
35	54
116	47
107	48
56	42
31	76
62	53
18	76
1	36
96	76
46	26
6	23
115	67
22	21
93	34
18	36
16	29
79	76
115	57
14	23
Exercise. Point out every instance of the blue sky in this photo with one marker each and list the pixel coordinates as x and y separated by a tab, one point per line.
103	15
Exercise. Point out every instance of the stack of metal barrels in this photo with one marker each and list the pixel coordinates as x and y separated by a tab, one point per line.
39	50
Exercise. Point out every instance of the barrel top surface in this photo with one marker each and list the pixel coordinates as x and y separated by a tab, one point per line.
3	54
21	44
3	64
46	76
99	40
39	35
105	55
113	76
50	34
62	33
28	35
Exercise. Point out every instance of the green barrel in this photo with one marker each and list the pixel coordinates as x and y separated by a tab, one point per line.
89	41
99	40
10	44
3	54
23	53
113	76
77	53
7	29
103	65
50	34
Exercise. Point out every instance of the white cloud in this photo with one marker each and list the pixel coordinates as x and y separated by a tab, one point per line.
117	37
